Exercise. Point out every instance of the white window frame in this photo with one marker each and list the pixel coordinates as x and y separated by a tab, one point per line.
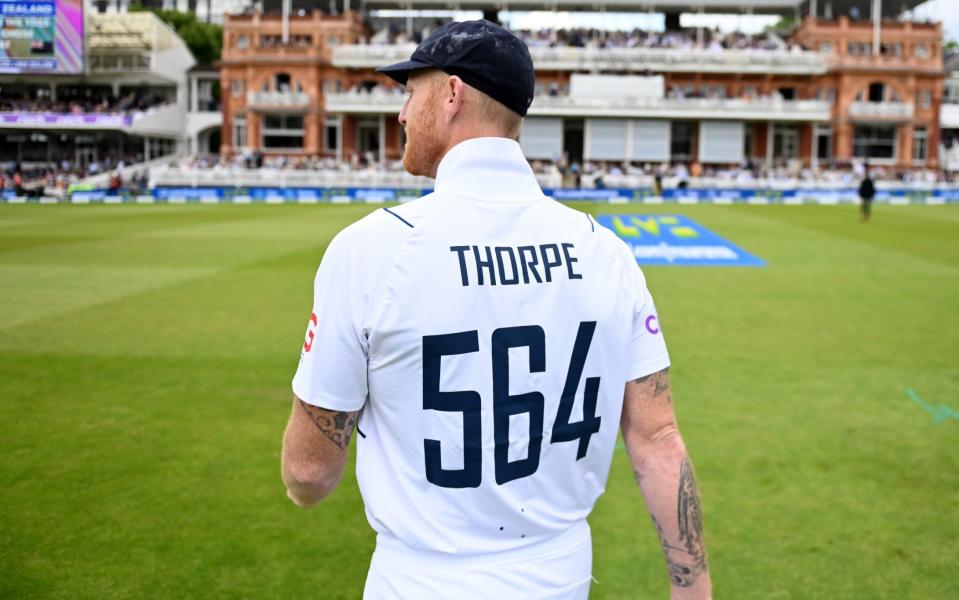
920	134
240	132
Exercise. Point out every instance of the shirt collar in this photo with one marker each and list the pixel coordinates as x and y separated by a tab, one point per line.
489	168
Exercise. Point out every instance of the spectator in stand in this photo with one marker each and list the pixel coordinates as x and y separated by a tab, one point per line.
116	182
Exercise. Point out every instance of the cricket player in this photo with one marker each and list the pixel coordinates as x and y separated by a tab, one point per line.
486	343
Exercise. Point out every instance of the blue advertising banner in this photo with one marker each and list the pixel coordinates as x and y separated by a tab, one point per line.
308	195
676	240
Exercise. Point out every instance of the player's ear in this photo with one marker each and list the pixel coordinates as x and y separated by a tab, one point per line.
454	92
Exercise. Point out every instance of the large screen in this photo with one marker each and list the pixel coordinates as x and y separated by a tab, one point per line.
41	37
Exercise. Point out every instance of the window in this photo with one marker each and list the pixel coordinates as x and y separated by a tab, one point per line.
876	92
281	82
242	41
237	87
951	95
826	93
874	141
239	131
859	48
282	132
825	47
331	86
270	40
785	142
924	99
891	49
331	135
823	137
283	122
681	141
922	51
920	144
301	41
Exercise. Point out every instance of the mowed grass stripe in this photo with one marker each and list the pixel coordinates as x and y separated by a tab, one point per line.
139	436
46	291
916	231
60	278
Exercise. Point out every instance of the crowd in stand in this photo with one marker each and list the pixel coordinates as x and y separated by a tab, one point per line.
54	179
591	173
36	181
639	38
601	174
124	178
584	37
82	101
359	162
555	90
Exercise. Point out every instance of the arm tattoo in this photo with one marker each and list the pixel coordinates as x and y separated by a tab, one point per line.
684	572
658	381
336	426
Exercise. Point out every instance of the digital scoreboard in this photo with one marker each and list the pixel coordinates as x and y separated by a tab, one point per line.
41	37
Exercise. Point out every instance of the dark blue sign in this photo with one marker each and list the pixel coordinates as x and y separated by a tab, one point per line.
676	240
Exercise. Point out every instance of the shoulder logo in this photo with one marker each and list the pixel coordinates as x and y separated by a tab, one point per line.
652	324
311	333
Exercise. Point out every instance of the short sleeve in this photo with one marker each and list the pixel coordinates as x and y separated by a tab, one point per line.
647	348
332	373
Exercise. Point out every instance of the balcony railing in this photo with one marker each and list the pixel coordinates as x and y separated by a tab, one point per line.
881	110
619	59
687	108
885	62
278	99
119	63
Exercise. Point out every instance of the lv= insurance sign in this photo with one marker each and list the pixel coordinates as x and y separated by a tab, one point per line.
676	240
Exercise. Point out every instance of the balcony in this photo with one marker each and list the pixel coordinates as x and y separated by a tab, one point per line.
282	53
278	100
758	109
886	63
884	111
658	60
949	116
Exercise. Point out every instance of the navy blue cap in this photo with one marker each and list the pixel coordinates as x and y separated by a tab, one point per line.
482	54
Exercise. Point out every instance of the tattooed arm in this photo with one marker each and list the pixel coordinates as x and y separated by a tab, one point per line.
315	447
666	478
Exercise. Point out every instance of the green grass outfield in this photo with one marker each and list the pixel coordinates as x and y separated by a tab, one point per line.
146	353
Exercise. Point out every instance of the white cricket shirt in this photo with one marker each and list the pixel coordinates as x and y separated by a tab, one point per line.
487	333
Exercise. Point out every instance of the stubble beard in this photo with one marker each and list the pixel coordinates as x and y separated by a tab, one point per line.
423	149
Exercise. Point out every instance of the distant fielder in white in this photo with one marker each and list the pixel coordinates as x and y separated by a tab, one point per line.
485	341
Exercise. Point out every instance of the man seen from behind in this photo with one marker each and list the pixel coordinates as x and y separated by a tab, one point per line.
487	344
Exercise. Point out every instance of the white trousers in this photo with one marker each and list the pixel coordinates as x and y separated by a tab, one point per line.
557	569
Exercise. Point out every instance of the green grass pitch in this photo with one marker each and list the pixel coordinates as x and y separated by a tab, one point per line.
146	353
